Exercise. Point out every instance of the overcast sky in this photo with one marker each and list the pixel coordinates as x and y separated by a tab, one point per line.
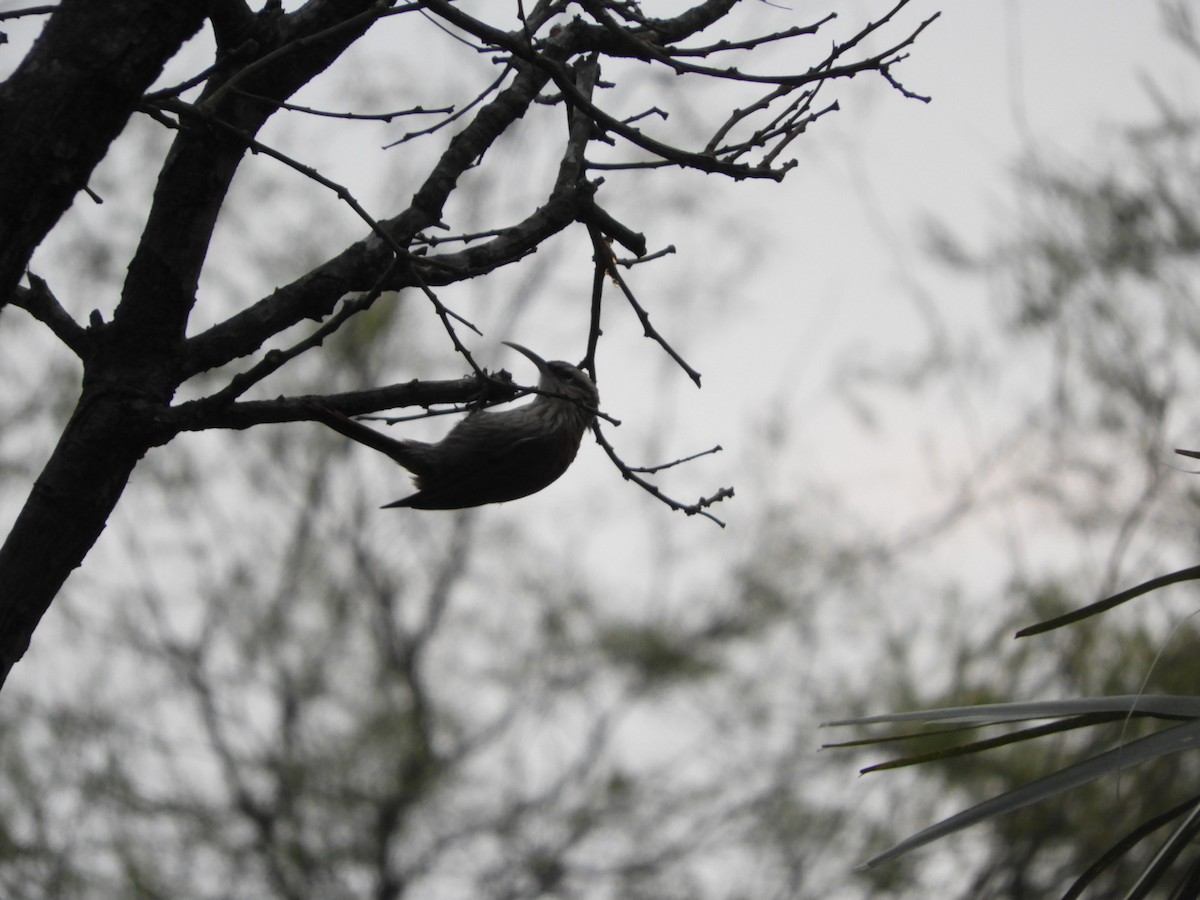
1006	77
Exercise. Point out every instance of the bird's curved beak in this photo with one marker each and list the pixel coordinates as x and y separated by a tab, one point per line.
525	351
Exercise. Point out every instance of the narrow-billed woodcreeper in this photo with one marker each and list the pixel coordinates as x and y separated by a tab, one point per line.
492	457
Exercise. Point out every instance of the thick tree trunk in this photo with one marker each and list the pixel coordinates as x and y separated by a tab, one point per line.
65	514
67	102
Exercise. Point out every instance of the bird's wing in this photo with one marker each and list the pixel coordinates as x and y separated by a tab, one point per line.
491	462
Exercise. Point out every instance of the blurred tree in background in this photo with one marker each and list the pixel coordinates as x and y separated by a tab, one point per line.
1097	328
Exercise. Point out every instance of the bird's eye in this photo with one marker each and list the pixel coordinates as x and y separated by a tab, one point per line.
566	373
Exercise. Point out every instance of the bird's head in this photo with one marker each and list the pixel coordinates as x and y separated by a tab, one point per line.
562	379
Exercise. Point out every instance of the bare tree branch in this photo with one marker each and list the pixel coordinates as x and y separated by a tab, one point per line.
630	473
40	302
76	93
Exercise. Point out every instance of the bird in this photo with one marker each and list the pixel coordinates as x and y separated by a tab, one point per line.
493	457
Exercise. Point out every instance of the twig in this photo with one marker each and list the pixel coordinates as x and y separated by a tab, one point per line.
432	240
428	414
649	257
643	49
199	78
273	360
188	110
28	11
478	48
700	507
794	127
40	302
649	330
631	240
602	259
358	117
625	166
412	135
606	264
561	76
751	43
886	72
650	470
524	21
445	313
652	111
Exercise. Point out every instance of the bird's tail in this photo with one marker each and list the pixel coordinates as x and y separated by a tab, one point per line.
413	455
